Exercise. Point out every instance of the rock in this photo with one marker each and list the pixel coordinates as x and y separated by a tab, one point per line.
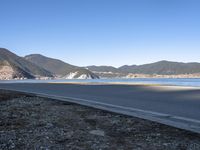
97	132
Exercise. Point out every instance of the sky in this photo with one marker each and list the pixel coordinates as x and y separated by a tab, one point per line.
103	32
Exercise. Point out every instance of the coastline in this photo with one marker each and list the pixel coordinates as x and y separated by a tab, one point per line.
176	82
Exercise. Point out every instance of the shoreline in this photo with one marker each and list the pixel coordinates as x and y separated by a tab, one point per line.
180	82
152	85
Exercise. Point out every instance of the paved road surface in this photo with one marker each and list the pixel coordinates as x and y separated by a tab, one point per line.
176	102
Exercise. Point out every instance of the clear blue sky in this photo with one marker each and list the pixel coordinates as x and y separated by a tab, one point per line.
103	32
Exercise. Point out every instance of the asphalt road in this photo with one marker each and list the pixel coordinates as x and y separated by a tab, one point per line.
173	101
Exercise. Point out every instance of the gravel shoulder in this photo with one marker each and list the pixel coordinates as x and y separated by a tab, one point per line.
30	122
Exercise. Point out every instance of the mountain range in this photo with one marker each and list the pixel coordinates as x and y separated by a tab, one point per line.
13	66
34	66
160	68
38	66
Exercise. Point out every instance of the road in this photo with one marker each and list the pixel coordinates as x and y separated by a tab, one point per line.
173	101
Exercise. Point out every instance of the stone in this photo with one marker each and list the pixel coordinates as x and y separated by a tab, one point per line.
97	132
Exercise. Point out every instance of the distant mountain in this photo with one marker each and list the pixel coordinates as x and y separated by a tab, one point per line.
39	66
60	68
106	71
127	68
102	68
13	66
163	68
159	68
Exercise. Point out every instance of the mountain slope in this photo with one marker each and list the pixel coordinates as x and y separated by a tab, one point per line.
159	68
13	66
102	68
106	71
60	68
163	68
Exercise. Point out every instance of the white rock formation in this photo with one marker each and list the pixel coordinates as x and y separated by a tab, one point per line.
6	73
71	75
78	75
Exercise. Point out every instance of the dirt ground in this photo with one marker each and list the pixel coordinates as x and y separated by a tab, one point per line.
30	122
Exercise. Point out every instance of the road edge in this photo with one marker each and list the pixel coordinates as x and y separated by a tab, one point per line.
166	119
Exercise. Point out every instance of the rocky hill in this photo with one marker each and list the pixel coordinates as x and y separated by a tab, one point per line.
60	68
15	67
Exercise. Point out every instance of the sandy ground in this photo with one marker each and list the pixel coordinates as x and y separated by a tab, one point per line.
29	122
